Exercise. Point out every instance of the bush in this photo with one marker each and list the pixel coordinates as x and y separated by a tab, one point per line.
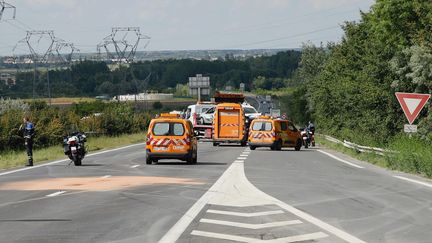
157	105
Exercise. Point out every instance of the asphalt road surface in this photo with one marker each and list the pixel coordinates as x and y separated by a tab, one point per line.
231	195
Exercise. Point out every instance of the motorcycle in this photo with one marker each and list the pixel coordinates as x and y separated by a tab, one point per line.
306	138
74	147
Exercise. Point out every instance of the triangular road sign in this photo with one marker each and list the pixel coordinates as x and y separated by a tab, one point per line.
412	104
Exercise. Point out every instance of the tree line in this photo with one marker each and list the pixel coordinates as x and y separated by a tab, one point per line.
89	78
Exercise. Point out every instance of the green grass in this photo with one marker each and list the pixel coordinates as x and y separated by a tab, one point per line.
412	155
15	159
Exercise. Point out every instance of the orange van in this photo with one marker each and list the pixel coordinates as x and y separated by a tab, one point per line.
229	124
171	137
274	133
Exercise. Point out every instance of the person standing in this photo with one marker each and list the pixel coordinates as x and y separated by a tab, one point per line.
28	130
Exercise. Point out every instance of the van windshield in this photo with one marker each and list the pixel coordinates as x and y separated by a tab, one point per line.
262	126
168	129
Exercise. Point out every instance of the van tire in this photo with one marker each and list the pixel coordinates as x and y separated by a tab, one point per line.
215	144
148	160
252	147
278	145
299	145
243	143
195	159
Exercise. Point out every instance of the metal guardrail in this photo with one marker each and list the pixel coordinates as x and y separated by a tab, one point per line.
359	148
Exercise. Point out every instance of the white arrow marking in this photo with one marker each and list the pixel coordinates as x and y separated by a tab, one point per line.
251	226
55	194
412	104
295	238
247	215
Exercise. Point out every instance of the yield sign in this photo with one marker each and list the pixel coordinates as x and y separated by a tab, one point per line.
412	104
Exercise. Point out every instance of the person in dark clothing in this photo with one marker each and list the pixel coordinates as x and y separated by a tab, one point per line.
28	130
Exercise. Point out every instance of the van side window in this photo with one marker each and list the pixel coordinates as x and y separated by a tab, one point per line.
284	126
292	127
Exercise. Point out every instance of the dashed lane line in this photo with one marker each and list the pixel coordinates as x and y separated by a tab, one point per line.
65	160
296	238
135	166
106	176
246	215
414	181
341	160
241	158
251	226
56	194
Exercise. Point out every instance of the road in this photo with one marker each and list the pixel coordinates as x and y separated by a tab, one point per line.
231	195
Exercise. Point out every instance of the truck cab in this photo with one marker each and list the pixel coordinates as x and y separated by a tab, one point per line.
229	125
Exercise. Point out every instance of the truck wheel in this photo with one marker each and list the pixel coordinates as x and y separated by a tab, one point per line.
252	147
299	145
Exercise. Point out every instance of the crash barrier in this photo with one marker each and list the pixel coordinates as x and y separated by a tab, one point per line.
359	148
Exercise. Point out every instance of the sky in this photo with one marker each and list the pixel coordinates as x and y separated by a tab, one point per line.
182	24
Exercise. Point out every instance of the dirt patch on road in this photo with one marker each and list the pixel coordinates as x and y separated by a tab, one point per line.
94	183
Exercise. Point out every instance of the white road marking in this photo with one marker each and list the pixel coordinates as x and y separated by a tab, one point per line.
244	155
233	189
238	161
341	160
65	160
251	226
414	181
241	158
134	166
248	215
107	176
55	194
296	238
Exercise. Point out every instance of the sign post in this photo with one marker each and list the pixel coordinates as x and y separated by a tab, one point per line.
412	104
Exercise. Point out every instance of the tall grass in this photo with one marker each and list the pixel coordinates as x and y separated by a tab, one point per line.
12	159
413	155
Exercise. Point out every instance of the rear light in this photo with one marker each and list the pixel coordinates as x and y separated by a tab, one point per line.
72	142
148	140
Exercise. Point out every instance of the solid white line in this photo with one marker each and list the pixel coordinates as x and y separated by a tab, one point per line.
414	181
296	238
341	160
251	226
64	160
134	166
245	214
55	194
107	176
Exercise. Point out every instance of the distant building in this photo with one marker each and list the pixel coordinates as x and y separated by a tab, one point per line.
8	78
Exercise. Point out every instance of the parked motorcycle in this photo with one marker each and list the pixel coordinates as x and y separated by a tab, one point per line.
74	147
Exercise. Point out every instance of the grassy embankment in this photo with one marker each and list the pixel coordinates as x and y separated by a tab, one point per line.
412	155
14	159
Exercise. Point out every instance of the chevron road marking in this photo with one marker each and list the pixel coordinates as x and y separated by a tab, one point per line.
251	226
247	215
296	238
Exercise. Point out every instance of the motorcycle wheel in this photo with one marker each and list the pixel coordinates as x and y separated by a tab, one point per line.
77	162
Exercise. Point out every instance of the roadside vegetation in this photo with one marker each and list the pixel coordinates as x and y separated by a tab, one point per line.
18	158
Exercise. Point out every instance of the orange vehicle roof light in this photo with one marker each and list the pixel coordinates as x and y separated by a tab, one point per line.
265	117
168	115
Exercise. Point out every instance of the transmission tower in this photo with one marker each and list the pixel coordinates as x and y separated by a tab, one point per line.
64	50
3	6
29	40
124	41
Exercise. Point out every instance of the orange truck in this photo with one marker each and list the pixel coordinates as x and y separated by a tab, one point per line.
229	124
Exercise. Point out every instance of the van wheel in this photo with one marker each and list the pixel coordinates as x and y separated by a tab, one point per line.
243	144
148	160
195	159
279	145
252	147
215	144
299	145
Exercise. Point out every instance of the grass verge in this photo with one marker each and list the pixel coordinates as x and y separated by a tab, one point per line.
413	155
13	159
